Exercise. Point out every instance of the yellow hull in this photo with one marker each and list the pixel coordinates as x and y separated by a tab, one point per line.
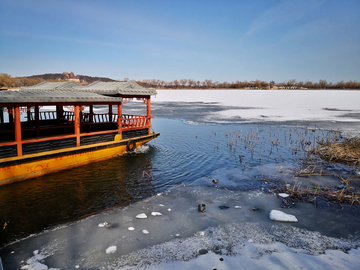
33	165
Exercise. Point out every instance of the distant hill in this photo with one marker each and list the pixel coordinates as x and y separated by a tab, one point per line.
67	76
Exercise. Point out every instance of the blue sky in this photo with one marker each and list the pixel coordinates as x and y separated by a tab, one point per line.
221	40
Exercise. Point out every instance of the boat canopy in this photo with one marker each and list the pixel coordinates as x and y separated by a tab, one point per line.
53	96
129	88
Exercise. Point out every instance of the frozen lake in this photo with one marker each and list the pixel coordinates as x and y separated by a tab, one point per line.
230	150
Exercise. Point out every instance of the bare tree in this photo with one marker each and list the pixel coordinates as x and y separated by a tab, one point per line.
183	82
207	84
176	83
191	82
323	84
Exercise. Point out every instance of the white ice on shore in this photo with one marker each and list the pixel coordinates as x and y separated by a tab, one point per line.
277	215
141	216
111	250
283	195
226	233
155	214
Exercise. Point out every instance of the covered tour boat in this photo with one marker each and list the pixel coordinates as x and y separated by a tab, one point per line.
56	125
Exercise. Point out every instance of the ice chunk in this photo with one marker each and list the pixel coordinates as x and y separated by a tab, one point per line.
131	228
281	216
143	215
111	249
36	252
145	232
237	207
169	209
283	195
154	214
35	266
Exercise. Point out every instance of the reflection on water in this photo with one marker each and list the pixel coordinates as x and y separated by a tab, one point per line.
182	154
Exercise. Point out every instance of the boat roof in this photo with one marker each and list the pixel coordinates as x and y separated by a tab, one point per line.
129	88
51	86
52	96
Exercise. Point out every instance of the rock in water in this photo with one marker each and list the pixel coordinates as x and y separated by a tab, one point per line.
223	207
201	207
277	215
141	215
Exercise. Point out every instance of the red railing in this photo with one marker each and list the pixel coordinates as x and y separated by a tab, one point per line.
128	121
133	121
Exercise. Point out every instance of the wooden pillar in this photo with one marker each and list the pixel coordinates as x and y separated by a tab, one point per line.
11	116
18	130
28	113
119	120
110	114
77	124
91	114
1	115
58	114
37	121
148	115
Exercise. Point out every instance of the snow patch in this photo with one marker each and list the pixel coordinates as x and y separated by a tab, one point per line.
277	215
141	216
111	250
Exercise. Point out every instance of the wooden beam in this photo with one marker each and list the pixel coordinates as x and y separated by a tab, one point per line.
148	114
119	120
110	113
18	130
37	121
77	124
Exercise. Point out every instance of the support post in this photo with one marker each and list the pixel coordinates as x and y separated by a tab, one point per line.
119	120
11	116
1	115
91	114
18	130
77	124
28	113
110	113
37	121
148	115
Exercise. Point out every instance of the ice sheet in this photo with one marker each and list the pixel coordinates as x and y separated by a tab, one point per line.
271	105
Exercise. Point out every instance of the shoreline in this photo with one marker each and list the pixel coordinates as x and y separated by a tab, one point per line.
245	89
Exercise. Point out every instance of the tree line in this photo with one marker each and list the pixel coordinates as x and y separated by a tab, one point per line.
257	84
8	81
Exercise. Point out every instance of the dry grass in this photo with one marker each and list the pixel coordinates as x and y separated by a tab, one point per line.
345	151
344	194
